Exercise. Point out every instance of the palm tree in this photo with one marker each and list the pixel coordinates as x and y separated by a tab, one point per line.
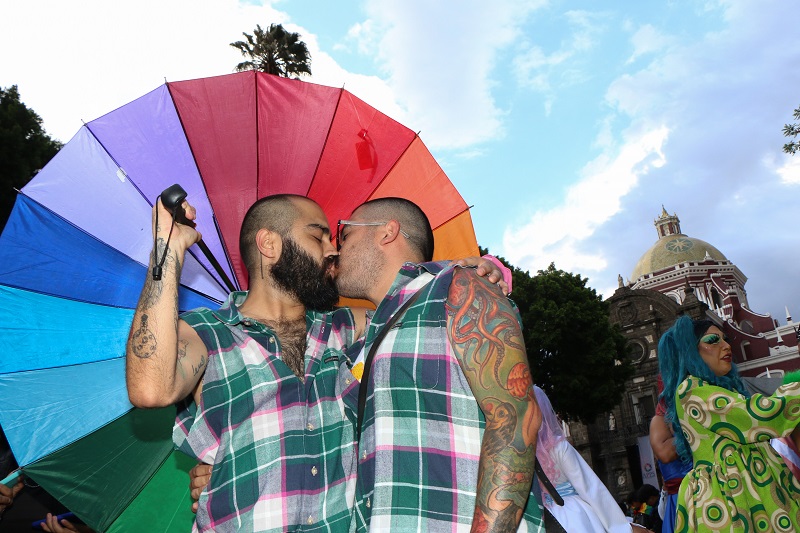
275	51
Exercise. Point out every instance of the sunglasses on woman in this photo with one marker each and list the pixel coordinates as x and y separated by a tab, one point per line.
713	338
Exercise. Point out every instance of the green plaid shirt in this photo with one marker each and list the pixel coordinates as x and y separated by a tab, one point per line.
422	432
277	467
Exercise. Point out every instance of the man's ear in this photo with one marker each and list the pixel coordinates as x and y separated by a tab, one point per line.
389	232
269	245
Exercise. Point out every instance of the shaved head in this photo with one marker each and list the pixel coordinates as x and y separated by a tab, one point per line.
411	218
276	213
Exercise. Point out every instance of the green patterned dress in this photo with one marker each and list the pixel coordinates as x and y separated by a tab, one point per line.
738	483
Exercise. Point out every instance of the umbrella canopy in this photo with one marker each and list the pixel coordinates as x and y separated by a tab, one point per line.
74	252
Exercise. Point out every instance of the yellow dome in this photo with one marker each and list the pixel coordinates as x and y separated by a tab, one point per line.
672	250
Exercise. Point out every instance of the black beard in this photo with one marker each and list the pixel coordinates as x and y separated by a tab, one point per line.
297	273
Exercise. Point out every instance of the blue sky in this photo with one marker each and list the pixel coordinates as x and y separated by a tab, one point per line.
565	124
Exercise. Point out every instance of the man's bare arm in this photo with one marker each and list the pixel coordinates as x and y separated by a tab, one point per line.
487	339
164	357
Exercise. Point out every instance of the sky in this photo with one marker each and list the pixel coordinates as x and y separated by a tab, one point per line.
567	126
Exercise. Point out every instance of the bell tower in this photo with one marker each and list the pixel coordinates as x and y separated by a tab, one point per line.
667	224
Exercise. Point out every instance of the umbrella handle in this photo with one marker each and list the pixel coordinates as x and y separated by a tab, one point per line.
172	198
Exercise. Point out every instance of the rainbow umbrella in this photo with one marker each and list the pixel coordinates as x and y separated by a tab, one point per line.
74	252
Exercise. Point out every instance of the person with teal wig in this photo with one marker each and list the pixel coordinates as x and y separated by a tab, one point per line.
738	482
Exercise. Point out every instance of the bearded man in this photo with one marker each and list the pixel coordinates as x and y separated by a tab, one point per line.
254	405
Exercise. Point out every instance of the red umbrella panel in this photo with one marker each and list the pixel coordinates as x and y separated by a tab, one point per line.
73	255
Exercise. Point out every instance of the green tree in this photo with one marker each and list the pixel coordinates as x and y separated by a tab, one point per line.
577	357
275	51
24	147
792	130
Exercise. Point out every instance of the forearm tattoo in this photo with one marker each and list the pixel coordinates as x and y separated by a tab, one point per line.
143	341
488	342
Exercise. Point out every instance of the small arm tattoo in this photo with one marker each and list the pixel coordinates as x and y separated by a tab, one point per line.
143	341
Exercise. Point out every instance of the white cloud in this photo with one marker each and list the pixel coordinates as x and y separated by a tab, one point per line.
647	40
100	55
75	61
547	73
362	35
558	234
789	171
438	58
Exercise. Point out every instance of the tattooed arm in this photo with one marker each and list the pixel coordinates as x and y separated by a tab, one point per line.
165	358
486	337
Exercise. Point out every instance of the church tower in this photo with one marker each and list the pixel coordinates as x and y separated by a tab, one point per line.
667	224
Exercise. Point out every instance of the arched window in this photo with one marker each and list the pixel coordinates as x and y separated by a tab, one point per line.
715	297
746	351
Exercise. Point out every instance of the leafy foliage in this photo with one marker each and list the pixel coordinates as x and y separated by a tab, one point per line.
575	354
274	51
24	147
792	130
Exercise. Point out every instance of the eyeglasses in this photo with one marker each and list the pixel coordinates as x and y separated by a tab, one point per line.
713	338
340	236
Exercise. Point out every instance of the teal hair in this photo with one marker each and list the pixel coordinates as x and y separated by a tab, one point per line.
678	358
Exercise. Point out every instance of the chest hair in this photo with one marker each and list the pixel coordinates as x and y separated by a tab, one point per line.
292	337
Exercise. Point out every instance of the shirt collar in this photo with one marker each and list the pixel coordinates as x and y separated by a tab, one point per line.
397	292
229	313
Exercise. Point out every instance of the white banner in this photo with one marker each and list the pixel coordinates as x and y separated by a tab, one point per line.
647	462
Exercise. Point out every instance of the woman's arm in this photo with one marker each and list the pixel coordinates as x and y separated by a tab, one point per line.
662	440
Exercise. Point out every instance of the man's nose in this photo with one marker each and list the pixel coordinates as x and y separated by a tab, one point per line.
329	249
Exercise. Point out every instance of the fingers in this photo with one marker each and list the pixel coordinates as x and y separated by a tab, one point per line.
189	210
52	525
492	273
504	287
7	494
200	476
68	526
195	505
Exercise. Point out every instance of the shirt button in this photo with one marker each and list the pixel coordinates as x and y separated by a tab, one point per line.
314	471
310	520
364	455
348	381
369	503
247	323
310	426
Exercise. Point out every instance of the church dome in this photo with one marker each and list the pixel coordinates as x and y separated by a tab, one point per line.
672	248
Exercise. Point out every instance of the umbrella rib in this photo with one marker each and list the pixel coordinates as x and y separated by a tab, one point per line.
455	216
258	141
111	156
205	190
327	135
399	157
416	136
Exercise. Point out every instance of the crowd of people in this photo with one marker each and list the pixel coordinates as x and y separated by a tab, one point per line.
420	414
